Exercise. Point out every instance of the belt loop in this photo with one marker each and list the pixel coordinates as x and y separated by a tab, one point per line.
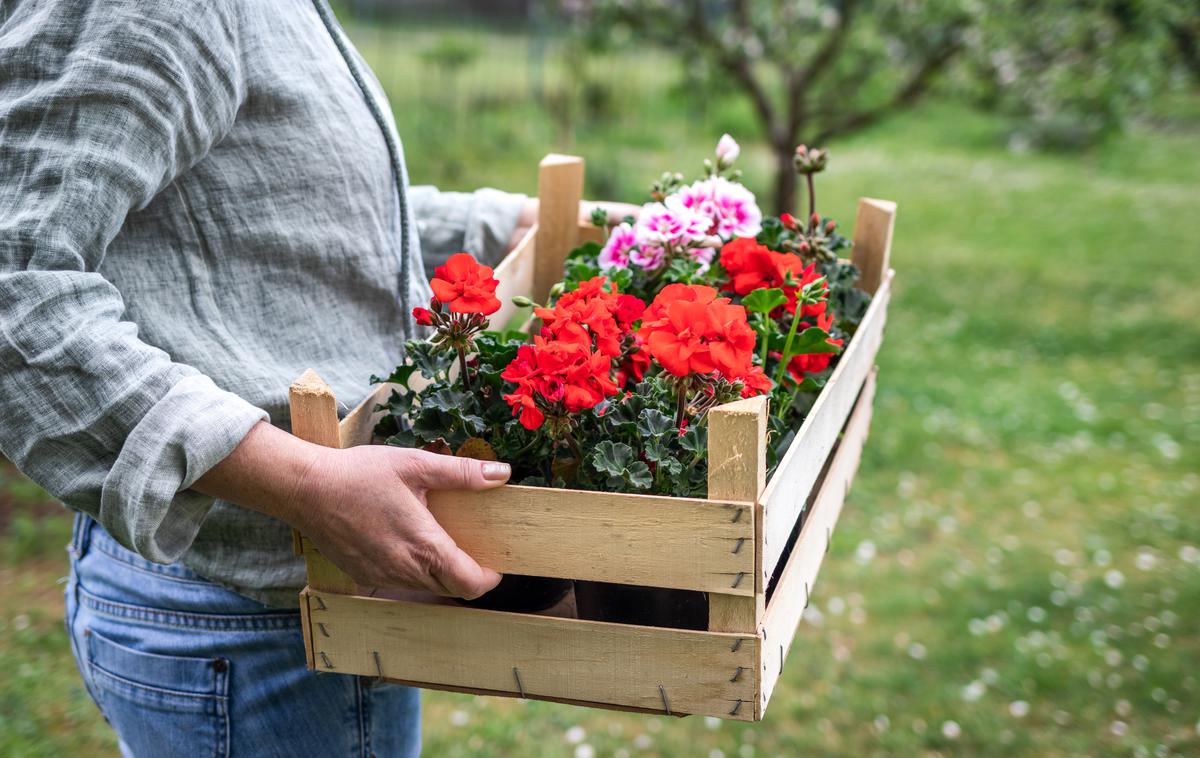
81	534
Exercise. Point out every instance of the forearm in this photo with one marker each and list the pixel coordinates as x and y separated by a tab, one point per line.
266	472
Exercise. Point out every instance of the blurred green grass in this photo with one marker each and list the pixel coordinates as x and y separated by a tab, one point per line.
1017	570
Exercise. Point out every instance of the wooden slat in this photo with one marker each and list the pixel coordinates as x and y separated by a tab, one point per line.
657	541
737	470
792	482
306	628
560	188
589	232
798	577
323	575
873	241
583	661
359	425
515	274
314	410
314	417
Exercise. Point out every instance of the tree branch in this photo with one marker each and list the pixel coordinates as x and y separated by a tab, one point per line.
737	66
802	79
908	94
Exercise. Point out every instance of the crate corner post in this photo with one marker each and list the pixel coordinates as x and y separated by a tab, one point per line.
315	419
873	230
560	190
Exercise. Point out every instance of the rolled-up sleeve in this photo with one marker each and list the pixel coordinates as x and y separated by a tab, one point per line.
102	105
479	222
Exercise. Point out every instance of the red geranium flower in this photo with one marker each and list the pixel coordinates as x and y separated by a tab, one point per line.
755	382
556	377
688	329
592	316
464	286
753	266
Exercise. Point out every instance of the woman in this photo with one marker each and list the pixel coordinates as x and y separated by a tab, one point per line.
197	202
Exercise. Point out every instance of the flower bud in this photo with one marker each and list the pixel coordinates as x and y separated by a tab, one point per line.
810	160
523	302
830	225
423	316
789	221
814	220
727	150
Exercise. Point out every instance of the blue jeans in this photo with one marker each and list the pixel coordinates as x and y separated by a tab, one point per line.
182	667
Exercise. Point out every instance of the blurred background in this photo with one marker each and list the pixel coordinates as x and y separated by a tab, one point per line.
1017	569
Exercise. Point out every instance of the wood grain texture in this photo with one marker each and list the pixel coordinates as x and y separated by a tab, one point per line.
560	188
582	661
799	576
657	541
790	486
873	241
515	274
589	232
314	410
358	428
737	470
314	418
323	575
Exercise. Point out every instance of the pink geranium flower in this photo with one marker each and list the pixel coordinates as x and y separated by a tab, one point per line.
670	224
616	252
729	208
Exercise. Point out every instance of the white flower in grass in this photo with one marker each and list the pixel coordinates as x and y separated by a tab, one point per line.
575	735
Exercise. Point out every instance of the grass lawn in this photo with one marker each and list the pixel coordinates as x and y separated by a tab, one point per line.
1017	570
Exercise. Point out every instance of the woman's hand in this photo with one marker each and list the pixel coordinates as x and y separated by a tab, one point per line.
363	507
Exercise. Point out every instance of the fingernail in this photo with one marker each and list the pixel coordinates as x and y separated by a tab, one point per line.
494	471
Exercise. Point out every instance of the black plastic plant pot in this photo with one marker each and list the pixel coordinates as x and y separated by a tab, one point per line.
522	594
643	606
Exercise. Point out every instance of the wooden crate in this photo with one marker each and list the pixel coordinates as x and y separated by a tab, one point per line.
728	545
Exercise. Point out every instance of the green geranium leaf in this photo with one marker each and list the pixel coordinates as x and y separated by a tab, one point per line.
764	300
399	376
431	360
611	458
638	475
653	423
813	340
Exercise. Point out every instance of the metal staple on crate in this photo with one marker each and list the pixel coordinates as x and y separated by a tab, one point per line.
736	707
520	686
737	548
737	515
738	579
737	644
666	703
321	626
320	603
806	595
828	538
737	674
325	659
378	665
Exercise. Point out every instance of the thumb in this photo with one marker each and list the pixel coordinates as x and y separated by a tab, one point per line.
429	471
462	576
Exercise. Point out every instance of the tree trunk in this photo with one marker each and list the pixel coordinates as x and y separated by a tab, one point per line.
785	179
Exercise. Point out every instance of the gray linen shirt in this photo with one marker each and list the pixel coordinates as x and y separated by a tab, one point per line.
198	200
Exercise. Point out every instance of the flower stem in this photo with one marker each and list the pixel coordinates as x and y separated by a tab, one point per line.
781	372
462	369
812	202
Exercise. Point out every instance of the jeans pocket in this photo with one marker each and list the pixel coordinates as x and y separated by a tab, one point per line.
161	705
